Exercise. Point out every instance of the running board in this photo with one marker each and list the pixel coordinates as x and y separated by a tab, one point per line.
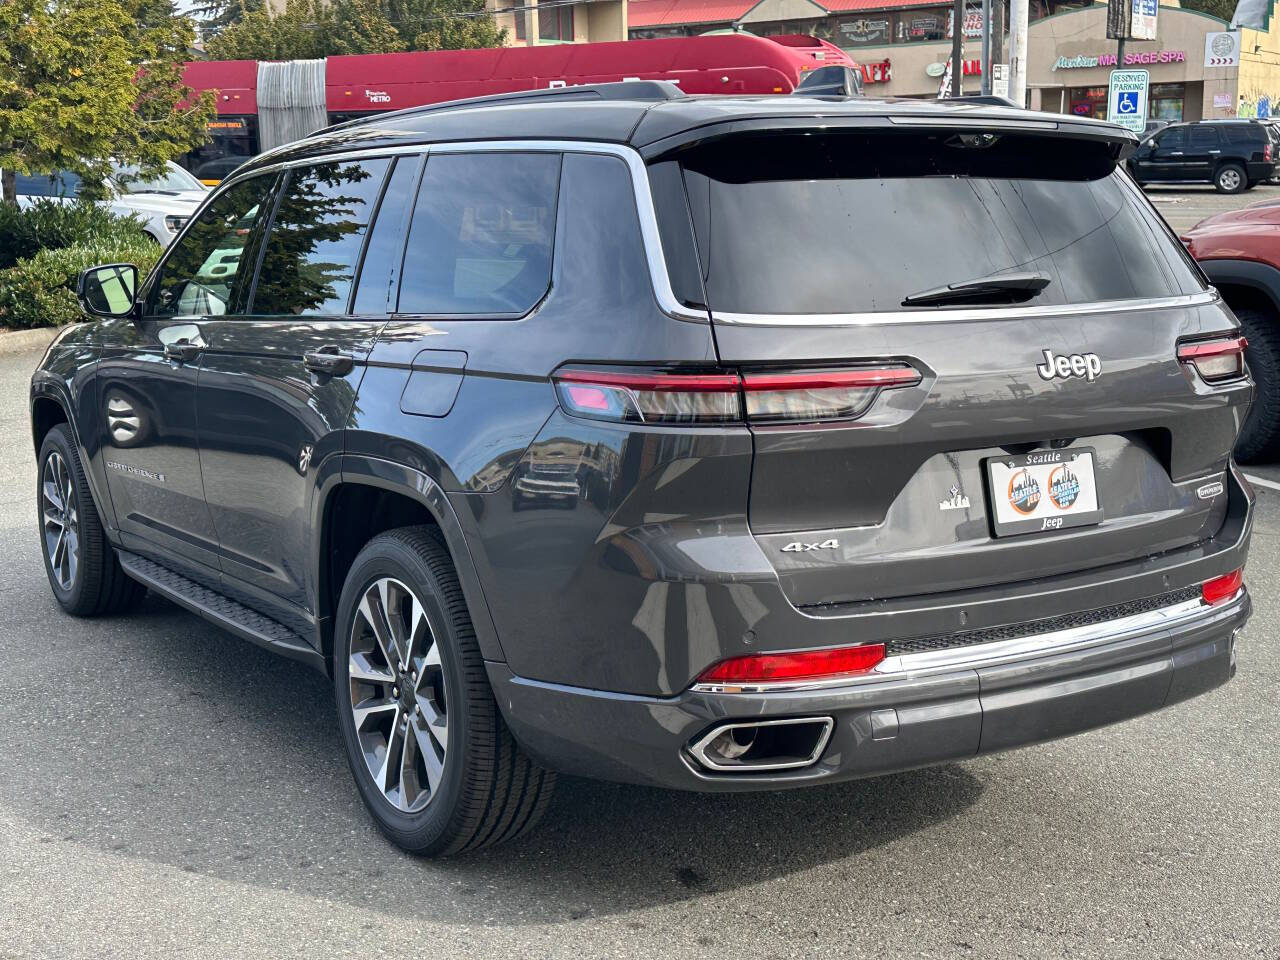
220	610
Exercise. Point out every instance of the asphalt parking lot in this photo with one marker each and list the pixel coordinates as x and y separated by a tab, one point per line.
169	791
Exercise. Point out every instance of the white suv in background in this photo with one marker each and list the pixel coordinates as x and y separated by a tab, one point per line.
163	202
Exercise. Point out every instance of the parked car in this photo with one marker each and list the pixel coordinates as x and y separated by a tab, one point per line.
163	202
833	81
1152	126
1233	155
1239	251
832	514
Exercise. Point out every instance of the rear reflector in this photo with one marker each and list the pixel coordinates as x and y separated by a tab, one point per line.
1223	588
713	398
807	665
1215	360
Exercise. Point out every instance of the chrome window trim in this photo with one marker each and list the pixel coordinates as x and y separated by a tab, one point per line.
971	314
914	665
643	196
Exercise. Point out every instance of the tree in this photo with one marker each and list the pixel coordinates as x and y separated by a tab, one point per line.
300	32
214	16
1222	9
445	24
310	29
82	84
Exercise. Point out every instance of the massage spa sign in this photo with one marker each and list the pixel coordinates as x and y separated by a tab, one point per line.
1130	59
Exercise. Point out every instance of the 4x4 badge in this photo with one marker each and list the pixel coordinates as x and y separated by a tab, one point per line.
957	500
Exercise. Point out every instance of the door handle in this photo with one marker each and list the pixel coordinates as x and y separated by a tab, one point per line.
183	351
328	362
1215	151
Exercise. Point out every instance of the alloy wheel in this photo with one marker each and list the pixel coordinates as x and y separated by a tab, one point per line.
61	520
397	687
1230	179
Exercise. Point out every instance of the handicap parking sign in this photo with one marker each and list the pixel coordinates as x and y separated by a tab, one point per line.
1127	99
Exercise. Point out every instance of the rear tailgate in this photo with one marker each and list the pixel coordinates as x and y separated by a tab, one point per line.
808	245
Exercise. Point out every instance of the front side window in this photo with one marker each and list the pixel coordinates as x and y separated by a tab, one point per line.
1175	138
311	253
480	239
206	273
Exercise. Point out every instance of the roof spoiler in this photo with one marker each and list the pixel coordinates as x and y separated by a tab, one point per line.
654	91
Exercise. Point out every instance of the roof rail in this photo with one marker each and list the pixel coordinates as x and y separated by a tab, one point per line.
640	90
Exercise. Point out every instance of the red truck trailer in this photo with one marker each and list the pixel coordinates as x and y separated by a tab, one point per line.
357	86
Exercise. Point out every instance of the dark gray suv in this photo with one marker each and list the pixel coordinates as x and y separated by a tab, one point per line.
708	443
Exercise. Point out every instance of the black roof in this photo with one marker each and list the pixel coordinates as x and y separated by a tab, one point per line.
655	117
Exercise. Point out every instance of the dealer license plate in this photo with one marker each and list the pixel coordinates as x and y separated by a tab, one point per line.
1043	490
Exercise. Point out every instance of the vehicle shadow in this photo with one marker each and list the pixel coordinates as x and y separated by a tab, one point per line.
204	754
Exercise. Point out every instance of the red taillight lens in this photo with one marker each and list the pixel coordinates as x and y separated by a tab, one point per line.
1266	153
807	665
1223	588
1215	360
819	394
712	398
649	397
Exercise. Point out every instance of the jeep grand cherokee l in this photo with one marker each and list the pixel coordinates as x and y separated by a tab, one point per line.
901	432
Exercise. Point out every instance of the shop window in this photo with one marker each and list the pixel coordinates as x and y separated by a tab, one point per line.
922	26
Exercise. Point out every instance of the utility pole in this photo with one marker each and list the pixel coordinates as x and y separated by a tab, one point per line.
1018	52
986	48
957	49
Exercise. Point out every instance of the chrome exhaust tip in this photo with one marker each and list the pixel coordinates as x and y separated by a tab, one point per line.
763	745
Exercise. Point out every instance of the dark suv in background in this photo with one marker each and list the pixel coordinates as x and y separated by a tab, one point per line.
584	431
1233	155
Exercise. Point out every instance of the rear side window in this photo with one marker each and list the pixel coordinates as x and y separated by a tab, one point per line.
311	253
61	184
852	223
480	239
1242	134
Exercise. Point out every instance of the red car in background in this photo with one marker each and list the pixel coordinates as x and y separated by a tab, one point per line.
1240	253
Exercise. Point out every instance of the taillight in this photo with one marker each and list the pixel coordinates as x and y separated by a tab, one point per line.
1266	153
1215	360
697	398
819	394
693	399
1223	588
832	663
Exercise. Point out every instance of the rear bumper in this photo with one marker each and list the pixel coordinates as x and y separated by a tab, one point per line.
924	709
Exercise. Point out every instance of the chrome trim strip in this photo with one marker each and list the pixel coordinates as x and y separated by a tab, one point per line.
962	315
658	275
1001	651
698	748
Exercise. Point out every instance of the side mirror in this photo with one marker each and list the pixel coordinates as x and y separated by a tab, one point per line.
109	290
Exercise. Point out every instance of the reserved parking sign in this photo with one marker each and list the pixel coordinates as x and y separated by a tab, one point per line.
1127	99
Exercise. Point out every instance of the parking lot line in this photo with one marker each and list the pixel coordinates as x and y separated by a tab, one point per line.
1259	482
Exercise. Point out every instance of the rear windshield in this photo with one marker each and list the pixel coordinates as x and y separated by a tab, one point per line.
857	222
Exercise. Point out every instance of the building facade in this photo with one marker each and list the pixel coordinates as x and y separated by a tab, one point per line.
904	46
530	23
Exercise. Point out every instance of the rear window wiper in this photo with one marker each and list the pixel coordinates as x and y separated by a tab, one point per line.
1000	288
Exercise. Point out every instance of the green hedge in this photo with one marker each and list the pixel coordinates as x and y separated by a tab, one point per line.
40	290
44	247
49	225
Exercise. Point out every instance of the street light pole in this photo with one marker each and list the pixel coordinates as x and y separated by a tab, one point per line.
1018	52
957	49
986	48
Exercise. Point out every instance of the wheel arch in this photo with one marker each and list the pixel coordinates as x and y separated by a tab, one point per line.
1245	281
369	497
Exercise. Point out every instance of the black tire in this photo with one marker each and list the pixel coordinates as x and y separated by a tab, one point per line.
98	584
488	791
1260	435
1230	178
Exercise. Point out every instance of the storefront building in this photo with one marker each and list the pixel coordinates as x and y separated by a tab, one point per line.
904	47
